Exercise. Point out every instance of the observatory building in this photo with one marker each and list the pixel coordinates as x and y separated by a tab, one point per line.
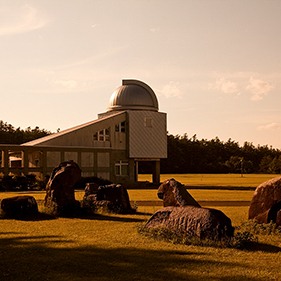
130	131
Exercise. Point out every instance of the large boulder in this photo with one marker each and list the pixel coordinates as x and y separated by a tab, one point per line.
91	188
60	187
266	202
175	194
113	197
193	221
19	206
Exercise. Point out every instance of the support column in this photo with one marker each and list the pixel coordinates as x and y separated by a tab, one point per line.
156	172
25	162
136	171
5	159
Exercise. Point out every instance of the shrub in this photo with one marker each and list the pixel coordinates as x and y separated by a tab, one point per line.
15	182
254	227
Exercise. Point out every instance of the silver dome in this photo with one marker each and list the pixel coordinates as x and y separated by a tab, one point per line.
133	94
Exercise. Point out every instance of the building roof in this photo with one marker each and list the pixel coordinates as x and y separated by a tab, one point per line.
43	140
133	94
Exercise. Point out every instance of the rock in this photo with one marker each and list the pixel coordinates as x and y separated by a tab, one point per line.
91	188
266	202
193	221
114	197
19	206
60	187
174	193
183	213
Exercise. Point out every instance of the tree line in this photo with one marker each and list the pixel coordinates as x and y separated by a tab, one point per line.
185	155
11	135
191	155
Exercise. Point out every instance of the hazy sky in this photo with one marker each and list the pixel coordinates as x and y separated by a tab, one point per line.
215	65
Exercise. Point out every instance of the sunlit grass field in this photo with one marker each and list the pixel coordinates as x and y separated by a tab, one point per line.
232	180
108	247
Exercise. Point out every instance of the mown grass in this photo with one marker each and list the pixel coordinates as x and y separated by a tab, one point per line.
226	180
151	195
109	247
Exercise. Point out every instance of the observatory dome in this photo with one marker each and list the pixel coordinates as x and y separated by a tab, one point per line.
133	94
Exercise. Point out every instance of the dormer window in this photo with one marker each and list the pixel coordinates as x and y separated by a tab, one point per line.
120	127
102	135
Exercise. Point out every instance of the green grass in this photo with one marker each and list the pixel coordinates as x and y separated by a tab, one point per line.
151	194
233	180
109	247
198	194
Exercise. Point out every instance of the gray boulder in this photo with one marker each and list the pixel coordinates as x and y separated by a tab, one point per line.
113	197
19	206
173	193
193	221
61	185
266	202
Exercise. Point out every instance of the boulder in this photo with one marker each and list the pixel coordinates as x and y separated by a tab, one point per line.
114	197
193	221
60	187
266	202
91	188
174	193
19	206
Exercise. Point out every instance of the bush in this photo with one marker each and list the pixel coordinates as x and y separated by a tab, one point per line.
13	182
254	227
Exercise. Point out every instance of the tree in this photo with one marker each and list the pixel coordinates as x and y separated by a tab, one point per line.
10	135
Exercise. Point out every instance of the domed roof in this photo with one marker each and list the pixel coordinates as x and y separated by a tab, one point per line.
133	94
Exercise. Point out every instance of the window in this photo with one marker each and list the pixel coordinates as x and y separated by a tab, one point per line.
148	122
120	127
102	135
122	168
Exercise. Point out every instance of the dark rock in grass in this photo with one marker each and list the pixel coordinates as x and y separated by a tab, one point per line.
91	188
193	221
174	193
182	213
114	197
266	202
19	207
60	187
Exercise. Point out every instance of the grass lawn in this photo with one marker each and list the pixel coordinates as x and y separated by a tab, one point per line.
108	247
233	180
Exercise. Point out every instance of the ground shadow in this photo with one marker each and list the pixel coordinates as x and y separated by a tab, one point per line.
108	217
37	258
256	246
41	216
35	217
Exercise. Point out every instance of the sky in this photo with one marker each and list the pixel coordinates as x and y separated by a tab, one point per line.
214	65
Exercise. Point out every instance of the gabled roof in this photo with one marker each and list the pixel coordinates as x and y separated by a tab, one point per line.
42	140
